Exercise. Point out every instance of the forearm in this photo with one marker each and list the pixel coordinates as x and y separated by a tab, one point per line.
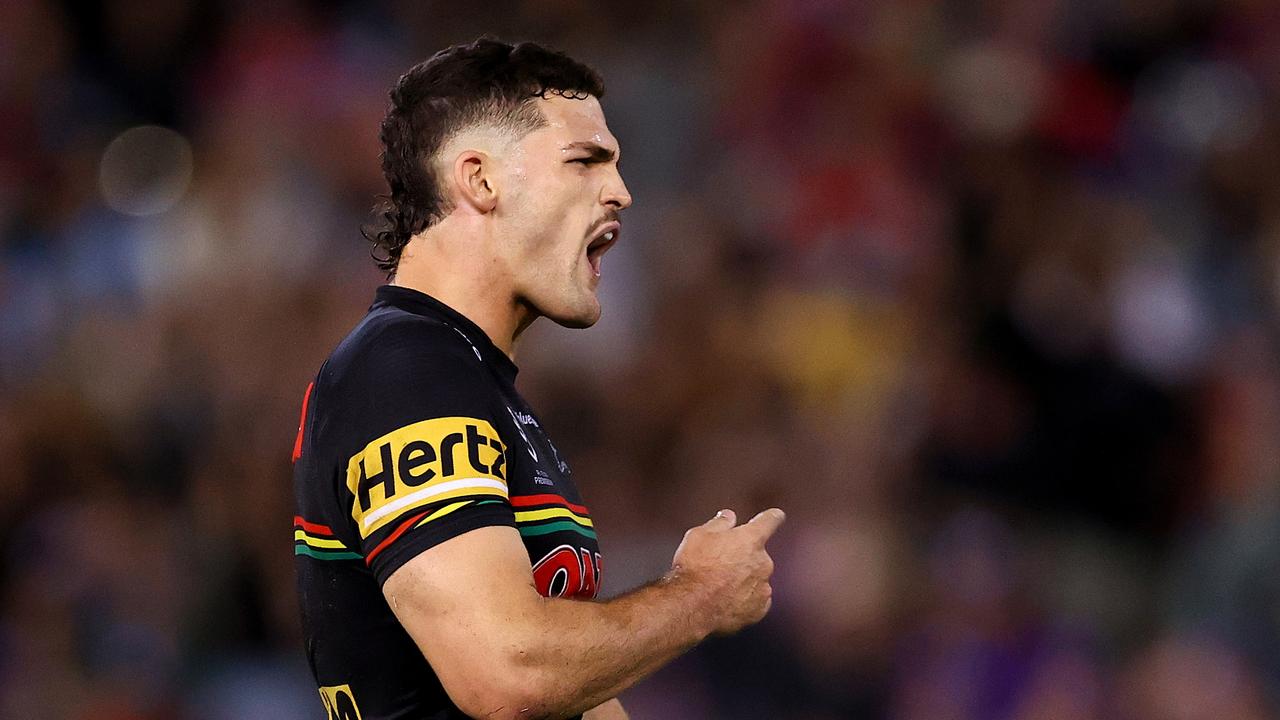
503	652
576	655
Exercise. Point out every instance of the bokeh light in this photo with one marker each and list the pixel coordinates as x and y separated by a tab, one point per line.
145	170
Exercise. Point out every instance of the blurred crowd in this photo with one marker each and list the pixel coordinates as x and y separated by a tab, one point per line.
984	294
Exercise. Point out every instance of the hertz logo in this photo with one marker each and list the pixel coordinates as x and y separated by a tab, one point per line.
339	703
424	463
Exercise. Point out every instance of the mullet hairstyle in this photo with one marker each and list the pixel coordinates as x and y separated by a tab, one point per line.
486	82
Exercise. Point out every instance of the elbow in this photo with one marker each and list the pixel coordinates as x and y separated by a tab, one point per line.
503	691
493	703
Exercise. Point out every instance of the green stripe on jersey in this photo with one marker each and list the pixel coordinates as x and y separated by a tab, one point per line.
309	551
530	530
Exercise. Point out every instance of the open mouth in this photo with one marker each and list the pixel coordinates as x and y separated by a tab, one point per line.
604	239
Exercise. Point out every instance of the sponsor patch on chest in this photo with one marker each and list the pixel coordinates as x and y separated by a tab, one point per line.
422	463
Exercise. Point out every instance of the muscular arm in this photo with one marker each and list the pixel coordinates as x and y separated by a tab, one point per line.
503	651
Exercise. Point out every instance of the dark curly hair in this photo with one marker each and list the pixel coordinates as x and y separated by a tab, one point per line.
483	82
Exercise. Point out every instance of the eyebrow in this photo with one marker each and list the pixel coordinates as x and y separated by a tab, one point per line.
598	153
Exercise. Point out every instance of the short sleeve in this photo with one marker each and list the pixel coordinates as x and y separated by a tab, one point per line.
430	462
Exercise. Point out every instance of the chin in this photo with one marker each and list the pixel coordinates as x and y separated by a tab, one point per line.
570	307
577	318
578	322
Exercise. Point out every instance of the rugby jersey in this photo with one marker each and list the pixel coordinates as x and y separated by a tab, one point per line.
413	433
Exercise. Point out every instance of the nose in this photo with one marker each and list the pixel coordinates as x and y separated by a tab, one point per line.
615	193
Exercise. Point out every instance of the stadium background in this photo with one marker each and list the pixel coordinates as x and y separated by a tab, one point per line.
983	293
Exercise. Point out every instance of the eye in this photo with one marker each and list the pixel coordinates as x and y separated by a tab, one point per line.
584	161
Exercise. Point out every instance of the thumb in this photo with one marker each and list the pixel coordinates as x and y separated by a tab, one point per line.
767	523
723	520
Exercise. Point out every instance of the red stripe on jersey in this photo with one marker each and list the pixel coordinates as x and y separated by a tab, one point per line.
527	500
297	443
313	528
404	527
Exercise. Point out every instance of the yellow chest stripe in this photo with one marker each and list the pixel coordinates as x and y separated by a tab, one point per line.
317	542
531	515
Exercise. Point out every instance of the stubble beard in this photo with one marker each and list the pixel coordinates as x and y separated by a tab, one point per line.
569	302
583	305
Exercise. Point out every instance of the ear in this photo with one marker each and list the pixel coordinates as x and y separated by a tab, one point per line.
475	181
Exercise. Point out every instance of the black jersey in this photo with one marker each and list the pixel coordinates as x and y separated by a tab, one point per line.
413	433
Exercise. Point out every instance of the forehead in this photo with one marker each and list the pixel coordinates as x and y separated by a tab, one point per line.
570	121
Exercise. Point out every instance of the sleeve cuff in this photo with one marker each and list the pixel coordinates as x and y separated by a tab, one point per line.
420	539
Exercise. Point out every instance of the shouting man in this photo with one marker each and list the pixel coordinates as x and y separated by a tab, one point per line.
447	566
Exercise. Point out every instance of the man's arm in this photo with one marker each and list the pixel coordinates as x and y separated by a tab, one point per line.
611	710
503	651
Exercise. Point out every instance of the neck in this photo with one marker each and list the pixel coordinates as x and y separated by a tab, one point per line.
469	282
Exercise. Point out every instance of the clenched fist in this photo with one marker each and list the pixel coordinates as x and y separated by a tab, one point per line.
728	562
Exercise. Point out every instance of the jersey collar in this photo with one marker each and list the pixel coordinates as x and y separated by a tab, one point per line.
420	303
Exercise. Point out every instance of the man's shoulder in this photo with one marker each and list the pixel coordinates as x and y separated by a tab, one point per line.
394	370
389	343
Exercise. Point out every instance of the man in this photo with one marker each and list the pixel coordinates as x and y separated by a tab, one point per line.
446	565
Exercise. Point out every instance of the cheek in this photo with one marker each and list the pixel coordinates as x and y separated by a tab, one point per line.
548	209
540	200
560	224
550	243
